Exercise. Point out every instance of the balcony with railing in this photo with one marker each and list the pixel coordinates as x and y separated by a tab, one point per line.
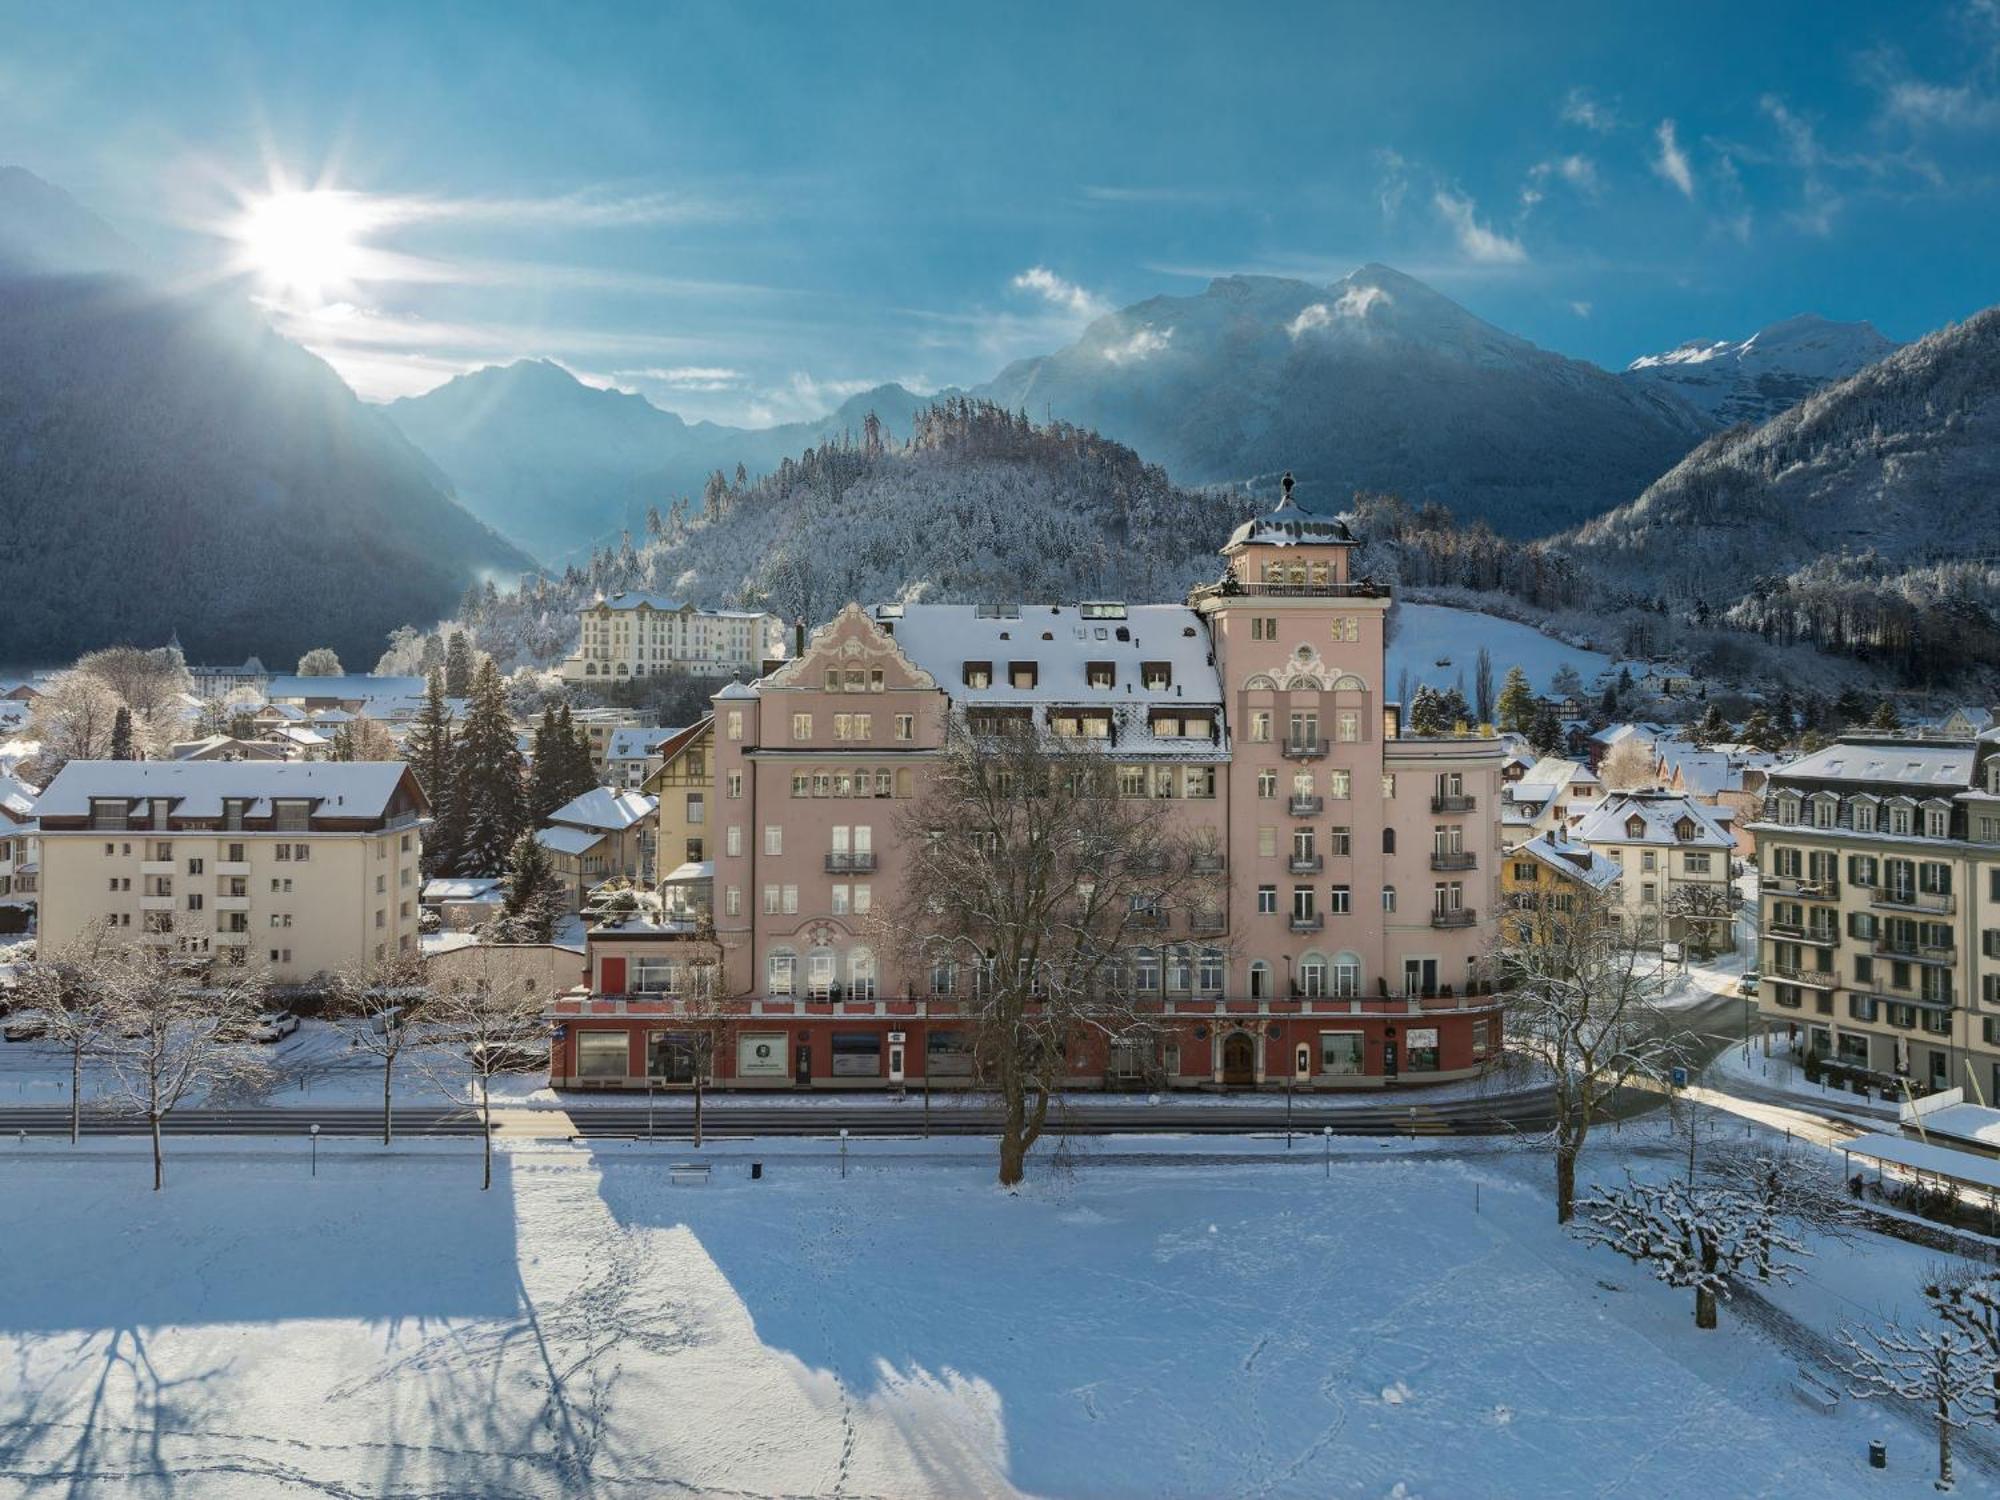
1819	979
1206	922
1903	898
850	862
1307	921
1454	860
1917	953
1307	807
1306	864
1208	862
1231	587
1149	919
1457	916
1799	932
1450	802
1302	749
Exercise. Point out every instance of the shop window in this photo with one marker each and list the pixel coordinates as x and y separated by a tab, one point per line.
602	1054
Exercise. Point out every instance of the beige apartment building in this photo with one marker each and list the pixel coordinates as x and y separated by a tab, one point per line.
1880	860
632	634
1675	856
300	869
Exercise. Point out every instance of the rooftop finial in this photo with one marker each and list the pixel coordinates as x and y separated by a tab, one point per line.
1287	483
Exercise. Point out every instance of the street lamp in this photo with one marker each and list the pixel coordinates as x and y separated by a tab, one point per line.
843	1151
1326	1131
314	1130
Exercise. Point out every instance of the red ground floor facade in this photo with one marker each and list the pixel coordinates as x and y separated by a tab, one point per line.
629	1042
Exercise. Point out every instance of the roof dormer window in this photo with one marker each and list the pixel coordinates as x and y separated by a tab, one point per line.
1100	674
1156	676
979	674
1022	675
1635	827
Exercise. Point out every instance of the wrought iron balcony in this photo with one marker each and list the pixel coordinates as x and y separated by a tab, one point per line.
860	862
1305	864
1313	922
1455	802
1463	916
1459	861
1307	807
1314	749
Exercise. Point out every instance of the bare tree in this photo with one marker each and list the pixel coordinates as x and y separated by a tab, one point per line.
1584	1002
361	738
380	1012
75	991
1702	908
1942	1367
72	720
173	1016
1800	1188
486	1020
1627	765
1034	873
1687	1235
1968	1298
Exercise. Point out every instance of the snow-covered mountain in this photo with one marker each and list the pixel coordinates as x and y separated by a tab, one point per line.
560	466
1753	379
1901	461
1375	382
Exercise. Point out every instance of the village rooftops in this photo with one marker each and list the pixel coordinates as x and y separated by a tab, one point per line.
631	599
1576	861
341	792
350	687
1943	766
1654	817
635	744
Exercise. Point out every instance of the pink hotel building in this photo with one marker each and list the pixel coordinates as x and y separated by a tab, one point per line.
1362	861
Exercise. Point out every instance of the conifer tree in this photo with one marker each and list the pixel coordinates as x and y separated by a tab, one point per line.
458	671
534	893
578	776
1516	707
549	776
489	799
121	734
429	751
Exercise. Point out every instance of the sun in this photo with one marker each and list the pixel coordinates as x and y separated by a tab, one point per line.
304	242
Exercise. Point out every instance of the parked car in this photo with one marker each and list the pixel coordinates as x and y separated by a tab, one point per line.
1747	985
274	1026
28	1026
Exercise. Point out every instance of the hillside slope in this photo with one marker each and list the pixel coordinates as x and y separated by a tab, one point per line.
1753	379
169	464
1375	382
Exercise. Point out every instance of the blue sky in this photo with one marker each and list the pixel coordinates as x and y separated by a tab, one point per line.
748	211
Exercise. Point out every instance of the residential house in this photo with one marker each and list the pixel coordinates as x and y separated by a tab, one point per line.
604	834
1675	855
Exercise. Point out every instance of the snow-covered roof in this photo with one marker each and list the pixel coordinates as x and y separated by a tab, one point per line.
570	841
1575	861
17	798
694	869
737	690
343	789
1659	813
462	888
1939	763
640	599
1286	525
349	685
635	744
1556	772
608	809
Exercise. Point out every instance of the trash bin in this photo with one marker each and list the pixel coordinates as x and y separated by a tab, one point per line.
756	1171
1878	1454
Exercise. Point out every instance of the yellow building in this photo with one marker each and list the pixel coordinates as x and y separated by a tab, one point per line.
1548	880
683	785
302	869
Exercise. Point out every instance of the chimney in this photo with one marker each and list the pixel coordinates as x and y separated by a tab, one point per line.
798	637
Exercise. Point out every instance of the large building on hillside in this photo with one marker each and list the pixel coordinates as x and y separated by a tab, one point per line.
632	635
1361	862
300	869
1880	887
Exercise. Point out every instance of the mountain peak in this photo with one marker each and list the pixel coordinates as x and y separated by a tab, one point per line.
1750	380
46	232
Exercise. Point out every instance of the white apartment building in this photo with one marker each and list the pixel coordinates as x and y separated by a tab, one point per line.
1666	843
634	634
18	839
301	869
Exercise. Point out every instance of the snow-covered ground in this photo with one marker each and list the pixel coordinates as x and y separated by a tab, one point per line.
1197	1324
1783	1071
1426	634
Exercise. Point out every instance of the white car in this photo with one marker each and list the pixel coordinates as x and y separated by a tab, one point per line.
274	1027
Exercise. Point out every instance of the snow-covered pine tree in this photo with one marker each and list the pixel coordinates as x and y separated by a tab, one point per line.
458	665
121	734
1516	705
534	893
488	794
549	773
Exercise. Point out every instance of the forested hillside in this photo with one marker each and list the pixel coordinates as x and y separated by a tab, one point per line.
980	504
170	464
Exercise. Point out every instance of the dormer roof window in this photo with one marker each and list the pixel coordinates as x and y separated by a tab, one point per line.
979	674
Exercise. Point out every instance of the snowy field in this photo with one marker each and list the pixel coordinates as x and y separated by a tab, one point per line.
1426	634
1205	1322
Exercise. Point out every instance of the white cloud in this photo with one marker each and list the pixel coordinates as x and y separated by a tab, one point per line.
1672	162
1476	241
1354	303
1580	108
1143	344
1057	292
1395	183
1579	172
688	377
1581	309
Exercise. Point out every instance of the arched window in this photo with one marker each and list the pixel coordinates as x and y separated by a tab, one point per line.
781	973
590	669
1347	974
860	974
1347	682
1388	841
1312	975
820	981
1260	980
1388	898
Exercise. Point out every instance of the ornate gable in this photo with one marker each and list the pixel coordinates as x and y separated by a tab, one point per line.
852	638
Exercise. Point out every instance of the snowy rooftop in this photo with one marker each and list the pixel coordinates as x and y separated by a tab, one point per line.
605	808
1939	763
462	888
343	789
694	869
635	744
570	841
942	638
1658	813
1288	526
17	798
640	599
348	685
1576	861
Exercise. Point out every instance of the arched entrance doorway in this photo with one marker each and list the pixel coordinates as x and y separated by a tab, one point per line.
1239	1059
